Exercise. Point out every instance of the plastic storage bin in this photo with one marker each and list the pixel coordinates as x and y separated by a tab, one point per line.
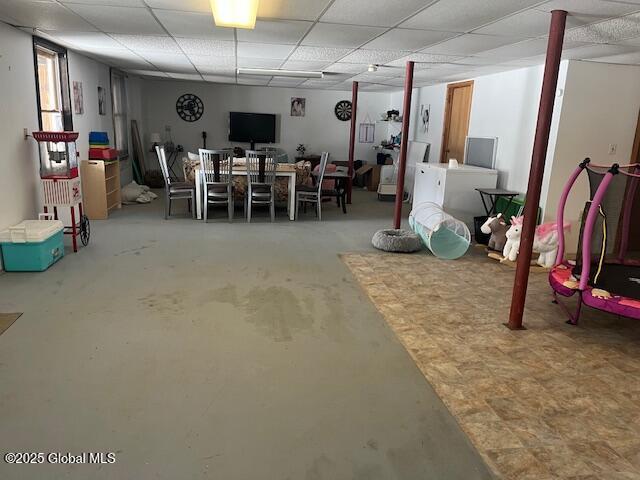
32	246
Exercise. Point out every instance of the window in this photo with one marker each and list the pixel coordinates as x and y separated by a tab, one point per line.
119	104
52	84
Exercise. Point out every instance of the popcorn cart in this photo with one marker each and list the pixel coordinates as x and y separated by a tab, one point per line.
60	181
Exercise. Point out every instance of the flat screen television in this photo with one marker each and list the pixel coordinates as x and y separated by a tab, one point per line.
252	127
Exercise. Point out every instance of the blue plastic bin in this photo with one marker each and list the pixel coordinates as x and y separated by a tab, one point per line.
31	256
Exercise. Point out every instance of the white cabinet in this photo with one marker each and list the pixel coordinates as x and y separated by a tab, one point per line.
453	188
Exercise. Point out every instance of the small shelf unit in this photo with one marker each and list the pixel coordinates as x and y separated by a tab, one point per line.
100	187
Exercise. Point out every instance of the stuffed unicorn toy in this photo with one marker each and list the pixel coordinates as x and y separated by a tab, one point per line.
545	241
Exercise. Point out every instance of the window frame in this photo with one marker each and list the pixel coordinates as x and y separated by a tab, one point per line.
114	72
63	72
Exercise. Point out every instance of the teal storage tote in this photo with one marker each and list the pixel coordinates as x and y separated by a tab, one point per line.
32	246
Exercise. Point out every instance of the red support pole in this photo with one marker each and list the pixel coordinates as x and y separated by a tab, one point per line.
352	137
402	161
545	112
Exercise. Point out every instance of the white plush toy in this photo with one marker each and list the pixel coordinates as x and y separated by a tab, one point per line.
511	248
545	242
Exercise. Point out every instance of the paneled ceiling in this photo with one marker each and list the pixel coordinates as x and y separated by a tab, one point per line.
450	39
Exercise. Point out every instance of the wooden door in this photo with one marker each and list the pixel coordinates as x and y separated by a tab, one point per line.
456	120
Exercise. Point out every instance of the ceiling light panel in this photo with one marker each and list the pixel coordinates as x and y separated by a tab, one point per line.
373	56
189	24
235	13
275	31
119	19
330	54
45	16
406	39
463	15
204	46
148	43
333	35
263	50
292	9
371	12
202	6
470	43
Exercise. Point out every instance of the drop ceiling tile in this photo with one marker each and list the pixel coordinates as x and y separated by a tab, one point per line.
275	31
212	61
623	58
85	40
382	72
608	31
299	65
202	6
292	9
264	50
119	19
595	51
474	61
174	62
374	87
193	25
217	71
205	46
530	23
219	78
150	43
370	78
373	56
463	15
424	60
527	48
43	15
253	80
588	11
396	82
524	62
148	73
371	12
285	81
470	43
196	77
259	62
347	68
334	35
330	54
315	82
122	59
406	39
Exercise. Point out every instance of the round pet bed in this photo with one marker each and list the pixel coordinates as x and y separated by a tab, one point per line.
400	241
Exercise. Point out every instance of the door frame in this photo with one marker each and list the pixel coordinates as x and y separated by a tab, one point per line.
447	114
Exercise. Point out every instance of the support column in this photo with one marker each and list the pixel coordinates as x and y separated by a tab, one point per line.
541	142
404	145
352	137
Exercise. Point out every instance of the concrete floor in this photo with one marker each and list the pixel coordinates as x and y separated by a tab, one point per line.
219	351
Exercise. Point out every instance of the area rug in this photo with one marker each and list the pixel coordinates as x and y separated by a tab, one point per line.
553	401
7	319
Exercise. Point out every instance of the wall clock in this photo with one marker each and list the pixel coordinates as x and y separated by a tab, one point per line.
189	107
343	110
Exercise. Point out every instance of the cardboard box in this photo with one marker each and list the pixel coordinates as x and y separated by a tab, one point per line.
370	175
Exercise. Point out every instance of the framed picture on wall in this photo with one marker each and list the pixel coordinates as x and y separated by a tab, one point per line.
366	133
102	101
78	99
297	106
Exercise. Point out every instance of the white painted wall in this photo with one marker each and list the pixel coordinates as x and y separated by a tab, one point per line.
19	179
600	107
319	129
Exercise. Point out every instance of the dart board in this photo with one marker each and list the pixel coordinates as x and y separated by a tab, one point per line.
343	110
189	107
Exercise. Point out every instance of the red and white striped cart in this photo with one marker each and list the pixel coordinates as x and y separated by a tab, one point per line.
61	185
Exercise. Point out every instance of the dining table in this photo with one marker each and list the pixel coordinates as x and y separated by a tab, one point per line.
286	170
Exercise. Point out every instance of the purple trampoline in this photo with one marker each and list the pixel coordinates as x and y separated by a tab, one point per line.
606	272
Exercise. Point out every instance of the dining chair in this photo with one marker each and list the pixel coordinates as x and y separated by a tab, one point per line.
261	177
313	194
216	168
174	190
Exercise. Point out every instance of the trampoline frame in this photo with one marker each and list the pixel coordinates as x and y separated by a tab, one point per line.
616	304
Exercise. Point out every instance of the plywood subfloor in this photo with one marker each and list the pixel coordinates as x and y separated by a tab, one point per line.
7	319
553	401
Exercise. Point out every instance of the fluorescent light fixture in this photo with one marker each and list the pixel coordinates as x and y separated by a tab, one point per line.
271	72
235	13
